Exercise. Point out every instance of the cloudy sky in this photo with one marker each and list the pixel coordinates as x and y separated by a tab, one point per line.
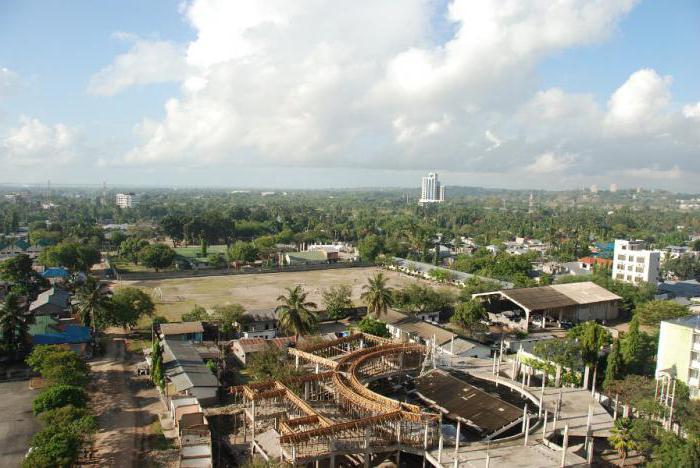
313	93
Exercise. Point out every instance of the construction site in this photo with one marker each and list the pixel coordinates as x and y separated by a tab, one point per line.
362	400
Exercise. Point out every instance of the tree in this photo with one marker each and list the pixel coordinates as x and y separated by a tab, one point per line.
653	312
614	365
93	303
294	312
243	252
621	438
591	337
468	316
59	365
684	267
336	300
370	247
157	256
129	249
197	314
638	350
158	319
377	295
17	269
129	305
157	372
57	396
71	255
373	326
53	447
69	418
419	299
14	326
226	316
270	364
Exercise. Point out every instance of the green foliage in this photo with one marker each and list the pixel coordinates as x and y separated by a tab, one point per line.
294	314
590	337
418	298
57	396
212	366
75	257
684	267
441	275
53	447
128	305
156	256
14	326
130	248
621	438
373	326
673	451
58	365
337	301
158	319
197	314
216	260
468	316
70	418
653	312
243	252
157	371
614	367
565	352
93	302
501	265
226	316
271	364
475	285
370	247
638	350
377	295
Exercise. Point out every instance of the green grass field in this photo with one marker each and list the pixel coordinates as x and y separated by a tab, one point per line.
194	251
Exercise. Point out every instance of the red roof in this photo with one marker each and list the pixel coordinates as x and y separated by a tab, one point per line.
596	261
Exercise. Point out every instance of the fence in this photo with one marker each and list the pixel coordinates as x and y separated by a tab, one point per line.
152	275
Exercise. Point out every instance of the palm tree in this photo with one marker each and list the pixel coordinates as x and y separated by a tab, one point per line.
621	438
377	295
93	300
14	325
294	312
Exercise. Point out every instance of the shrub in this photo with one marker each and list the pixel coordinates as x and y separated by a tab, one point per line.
58	396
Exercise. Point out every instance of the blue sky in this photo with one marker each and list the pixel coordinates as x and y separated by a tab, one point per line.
382	118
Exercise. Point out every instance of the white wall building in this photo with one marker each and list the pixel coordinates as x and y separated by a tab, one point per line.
128	200
431	189
634	264
678	355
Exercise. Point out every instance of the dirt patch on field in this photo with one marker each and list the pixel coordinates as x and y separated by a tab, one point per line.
259	291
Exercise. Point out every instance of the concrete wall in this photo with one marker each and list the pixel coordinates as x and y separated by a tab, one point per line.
675	345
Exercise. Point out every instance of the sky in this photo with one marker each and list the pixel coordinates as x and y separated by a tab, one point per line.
370	93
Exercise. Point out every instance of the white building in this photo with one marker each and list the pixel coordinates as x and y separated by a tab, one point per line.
678	355
431	190
128	200
634	264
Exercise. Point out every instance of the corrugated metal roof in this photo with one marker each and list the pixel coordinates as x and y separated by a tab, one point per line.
559	295
184	366
467	402
412	325
181	328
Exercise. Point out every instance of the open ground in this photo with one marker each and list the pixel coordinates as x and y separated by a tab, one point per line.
256	291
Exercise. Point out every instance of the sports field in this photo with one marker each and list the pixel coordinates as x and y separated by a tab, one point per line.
255	291
194	251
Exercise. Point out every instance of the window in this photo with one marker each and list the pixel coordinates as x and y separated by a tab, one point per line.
694	373
640	259
630	258
694	356
621	257
620	276
629	267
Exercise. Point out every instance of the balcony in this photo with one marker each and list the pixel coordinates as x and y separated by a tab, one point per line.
694	364
696	346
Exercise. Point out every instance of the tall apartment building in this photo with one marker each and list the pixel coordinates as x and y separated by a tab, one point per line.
679	352
634	264
431	189
127	200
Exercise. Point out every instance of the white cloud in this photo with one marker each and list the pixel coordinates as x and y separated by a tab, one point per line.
549	162
692	111
640	104
496	142
34	142
146	62
9	81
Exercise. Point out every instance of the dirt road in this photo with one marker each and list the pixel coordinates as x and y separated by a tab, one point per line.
124	406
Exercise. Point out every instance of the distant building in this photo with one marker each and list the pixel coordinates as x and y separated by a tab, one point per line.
594	189
259	324
310	257
128	200
632	263
613	188
678	354
431	189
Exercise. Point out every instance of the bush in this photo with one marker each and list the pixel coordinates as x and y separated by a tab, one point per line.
373	327
70	418
53	447
58	396
59	365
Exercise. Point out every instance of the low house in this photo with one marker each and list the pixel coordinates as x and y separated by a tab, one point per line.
56	275
574	302
47	330
260	323
311	257
187	373
590	263
53	302
462	347
182	331
243	349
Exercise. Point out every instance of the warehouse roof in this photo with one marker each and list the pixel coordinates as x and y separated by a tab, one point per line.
558	295
465	402
184	366
181	328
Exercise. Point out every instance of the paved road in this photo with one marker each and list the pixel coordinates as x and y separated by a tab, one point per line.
17	424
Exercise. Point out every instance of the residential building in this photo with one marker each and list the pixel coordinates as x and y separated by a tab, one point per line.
259	324
53	303
56	275
186	372
127	200
243	349
431	189
632	263
572	302
47	330
678	354
182	331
